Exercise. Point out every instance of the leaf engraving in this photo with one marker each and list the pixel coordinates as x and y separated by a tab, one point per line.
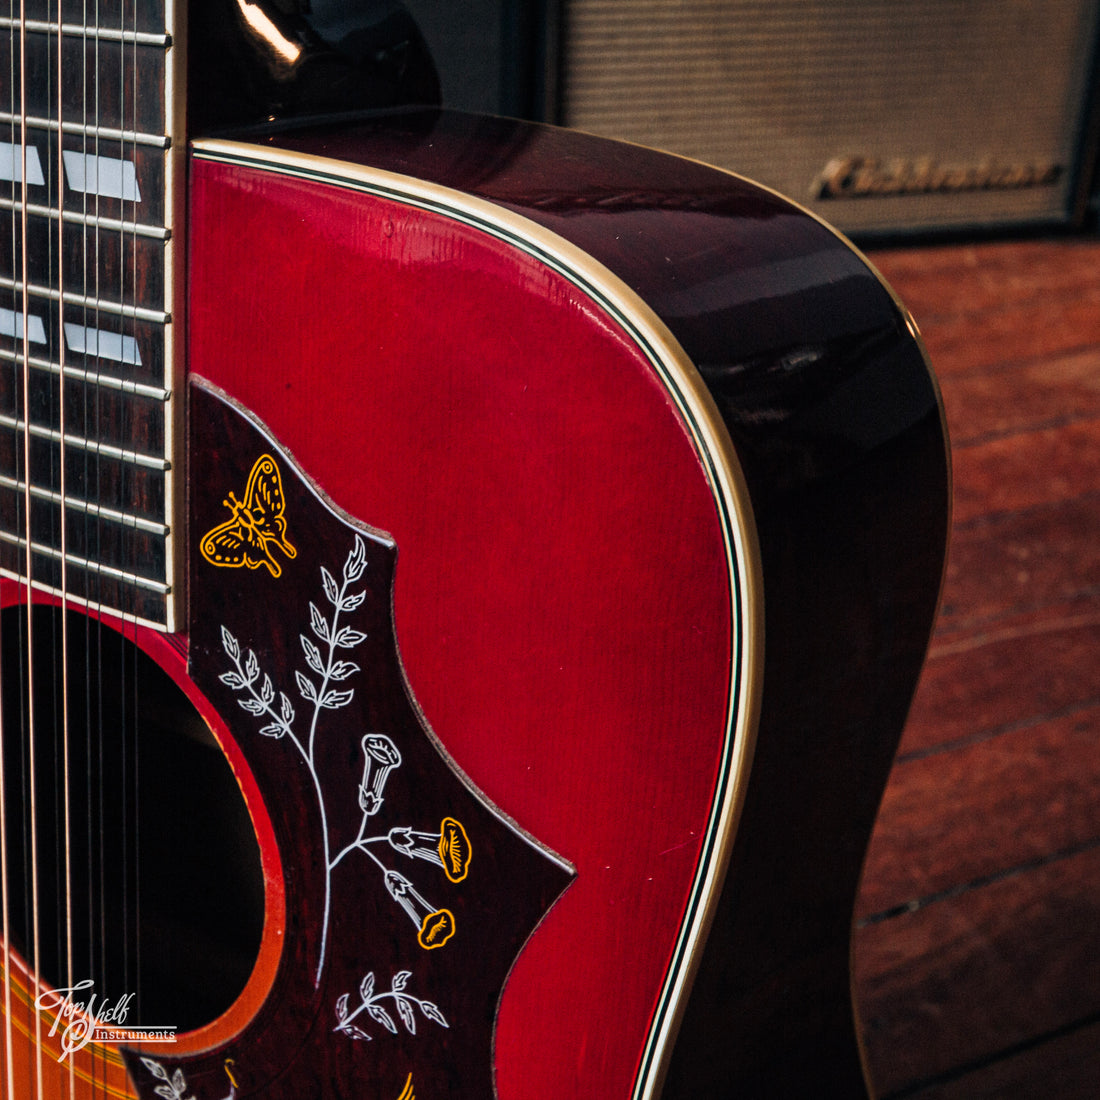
336	699
380	1015
318	623
348	638
305	686
408	1017
313	656
433	1013
356	562
331	591
352	602
155	1068
229	643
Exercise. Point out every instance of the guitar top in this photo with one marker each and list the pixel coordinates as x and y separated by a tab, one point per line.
560	537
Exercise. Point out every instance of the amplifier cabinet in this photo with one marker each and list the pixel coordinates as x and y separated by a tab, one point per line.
881	116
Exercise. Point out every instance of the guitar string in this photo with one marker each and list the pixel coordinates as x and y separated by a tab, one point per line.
86	623
123	758
5	909
96	923
32	732
132	933
66	797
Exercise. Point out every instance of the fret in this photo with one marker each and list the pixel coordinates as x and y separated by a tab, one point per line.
92	32
140	351
137	15
131	268
84	301
94	378
111	417
76	442
109	481
118	549
88	130
148	166
112	84
106	225
75	504
85	587
90	566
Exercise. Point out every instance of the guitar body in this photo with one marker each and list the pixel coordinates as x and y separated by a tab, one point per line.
562	531
580	595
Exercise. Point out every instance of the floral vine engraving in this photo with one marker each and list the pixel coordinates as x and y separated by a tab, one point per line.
370	1002
323	647
260	693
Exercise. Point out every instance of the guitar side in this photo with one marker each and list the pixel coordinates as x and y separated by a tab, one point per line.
579	596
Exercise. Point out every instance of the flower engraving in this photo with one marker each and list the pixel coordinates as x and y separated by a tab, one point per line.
381	757
448	848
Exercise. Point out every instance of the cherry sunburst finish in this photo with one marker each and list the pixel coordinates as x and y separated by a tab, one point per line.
515	566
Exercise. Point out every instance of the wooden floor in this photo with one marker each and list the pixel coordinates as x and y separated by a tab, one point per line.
977	953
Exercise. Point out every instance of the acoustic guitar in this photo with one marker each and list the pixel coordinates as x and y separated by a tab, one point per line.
464	582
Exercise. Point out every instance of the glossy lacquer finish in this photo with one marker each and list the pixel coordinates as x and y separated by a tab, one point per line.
570	612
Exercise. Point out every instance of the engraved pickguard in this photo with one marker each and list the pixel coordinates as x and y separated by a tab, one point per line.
408	897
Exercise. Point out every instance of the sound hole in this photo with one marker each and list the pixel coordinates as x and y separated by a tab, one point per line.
164	869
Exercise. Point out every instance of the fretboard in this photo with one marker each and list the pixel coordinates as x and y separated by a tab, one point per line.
86	301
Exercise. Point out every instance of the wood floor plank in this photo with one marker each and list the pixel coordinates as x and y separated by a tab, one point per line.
1026	332
1002	566
1004	680
1065	1065
1026	470
1050	392
978	973
970	815
951	279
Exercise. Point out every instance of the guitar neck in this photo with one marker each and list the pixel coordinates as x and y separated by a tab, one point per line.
89	179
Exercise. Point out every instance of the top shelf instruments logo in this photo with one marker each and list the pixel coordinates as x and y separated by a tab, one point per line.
87	1017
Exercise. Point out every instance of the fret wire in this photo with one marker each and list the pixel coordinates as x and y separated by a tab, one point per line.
118	309
107	450
92	378
135	579
85	129
154	232
77	30
124	519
